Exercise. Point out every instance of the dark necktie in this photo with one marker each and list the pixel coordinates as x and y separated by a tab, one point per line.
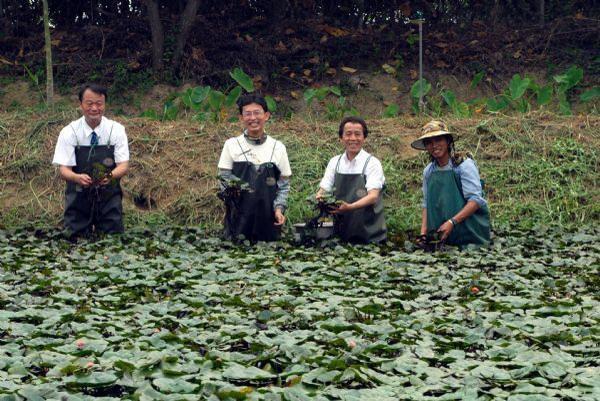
94	139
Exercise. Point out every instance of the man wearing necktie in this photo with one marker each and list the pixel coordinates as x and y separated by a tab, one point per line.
92	154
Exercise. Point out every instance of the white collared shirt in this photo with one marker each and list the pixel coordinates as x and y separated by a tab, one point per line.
373	172
78	132
238	149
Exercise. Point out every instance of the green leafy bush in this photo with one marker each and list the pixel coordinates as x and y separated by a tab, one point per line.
207	104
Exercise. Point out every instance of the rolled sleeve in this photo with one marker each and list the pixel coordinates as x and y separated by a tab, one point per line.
374	173
471	183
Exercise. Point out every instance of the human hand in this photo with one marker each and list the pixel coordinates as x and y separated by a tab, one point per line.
106	180
342	208
421	241
279	218
445	229
84	180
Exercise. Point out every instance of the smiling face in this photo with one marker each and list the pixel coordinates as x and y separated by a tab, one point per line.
92	106
254	119
439	148
352	138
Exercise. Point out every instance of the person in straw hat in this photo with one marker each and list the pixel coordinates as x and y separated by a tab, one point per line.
453	202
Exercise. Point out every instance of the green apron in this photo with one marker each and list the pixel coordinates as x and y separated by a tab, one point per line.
444	200
94	208
254	219
364	225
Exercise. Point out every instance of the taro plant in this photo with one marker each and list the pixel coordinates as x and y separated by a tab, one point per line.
514	96
418	91
392	110
521	91
208	104
334	110
458	108
564	83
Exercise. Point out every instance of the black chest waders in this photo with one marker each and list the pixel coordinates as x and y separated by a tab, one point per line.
254	218
364	225
96	208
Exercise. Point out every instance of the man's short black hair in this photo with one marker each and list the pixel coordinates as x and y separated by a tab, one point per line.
96	88
354	120
249	98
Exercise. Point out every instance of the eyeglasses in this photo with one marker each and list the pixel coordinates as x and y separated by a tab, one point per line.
255	113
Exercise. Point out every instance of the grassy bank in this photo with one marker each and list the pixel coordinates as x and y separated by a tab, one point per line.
538	168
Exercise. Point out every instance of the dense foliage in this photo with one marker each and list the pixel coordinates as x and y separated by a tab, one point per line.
169	315
137	42
67	13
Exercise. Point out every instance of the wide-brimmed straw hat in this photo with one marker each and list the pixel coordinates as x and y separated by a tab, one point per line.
431	130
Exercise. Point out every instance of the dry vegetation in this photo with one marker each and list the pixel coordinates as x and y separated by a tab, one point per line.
537	166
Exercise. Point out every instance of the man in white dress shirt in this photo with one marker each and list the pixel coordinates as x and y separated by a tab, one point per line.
356	177
92	154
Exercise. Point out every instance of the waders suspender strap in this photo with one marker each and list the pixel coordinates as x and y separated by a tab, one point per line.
272	152
75	133
94	145
110	135
365	167
338	162
243	151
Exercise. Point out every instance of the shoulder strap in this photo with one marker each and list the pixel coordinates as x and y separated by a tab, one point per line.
110	134
338	162
365	166
75	133
242	149
273	151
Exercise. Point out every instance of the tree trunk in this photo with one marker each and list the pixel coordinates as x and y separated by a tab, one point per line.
158	35
185	25
48	48
494	14
542	12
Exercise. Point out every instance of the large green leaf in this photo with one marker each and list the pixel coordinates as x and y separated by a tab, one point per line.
233	96
590	94
518	86
216	100
569	79
391	111
544	95
176	385
236	371
242	79
271	104
94	379
497	104
418	87
477	79
199	94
